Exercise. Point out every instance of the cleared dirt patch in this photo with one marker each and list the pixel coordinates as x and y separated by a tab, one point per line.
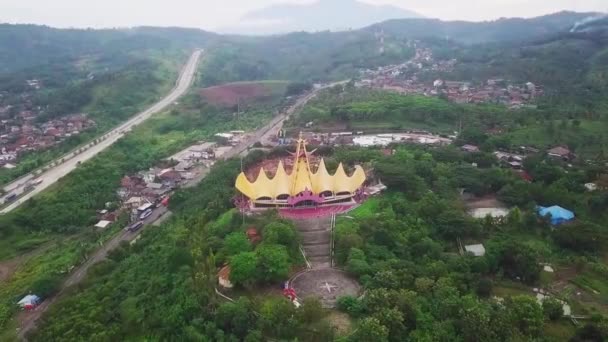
5	271
489	201
231	94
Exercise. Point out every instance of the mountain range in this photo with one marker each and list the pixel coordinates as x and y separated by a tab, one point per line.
334	15
26	46
500	30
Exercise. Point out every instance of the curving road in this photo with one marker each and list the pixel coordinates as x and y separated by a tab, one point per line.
69	162
28	319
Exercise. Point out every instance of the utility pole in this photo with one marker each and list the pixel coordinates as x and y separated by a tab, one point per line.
238	109
460	126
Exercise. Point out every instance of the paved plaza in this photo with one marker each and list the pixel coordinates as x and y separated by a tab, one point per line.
327	284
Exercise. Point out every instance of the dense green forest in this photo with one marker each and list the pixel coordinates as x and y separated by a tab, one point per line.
28	46
504	30
301	57
402	247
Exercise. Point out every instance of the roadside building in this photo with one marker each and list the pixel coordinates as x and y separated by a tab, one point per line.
154	186
133	202
170	178
183	166
470	148
103	224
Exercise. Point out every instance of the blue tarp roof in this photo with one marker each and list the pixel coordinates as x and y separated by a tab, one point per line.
558	214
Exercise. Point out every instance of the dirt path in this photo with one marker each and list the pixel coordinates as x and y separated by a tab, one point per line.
489	201
27	320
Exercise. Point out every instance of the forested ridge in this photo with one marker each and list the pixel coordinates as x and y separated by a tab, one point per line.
29	46
302	56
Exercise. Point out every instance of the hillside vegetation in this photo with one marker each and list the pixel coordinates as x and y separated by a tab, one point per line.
503	30
28	46
301	57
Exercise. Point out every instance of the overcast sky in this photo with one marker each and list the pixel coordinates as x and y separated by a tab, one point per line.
214	14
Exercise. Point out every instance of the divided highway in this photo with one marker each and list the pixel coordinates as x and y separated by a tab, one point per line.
69	162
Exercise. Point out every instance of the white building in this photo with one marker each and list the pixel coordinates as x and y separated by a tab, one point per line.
477	250
103	224
480	213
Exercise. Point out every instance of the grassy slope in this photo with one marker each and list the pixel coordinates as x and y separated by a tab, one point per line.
588	139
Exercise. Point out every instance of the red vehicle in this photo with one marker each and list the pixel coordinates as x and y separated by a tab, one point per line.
165	201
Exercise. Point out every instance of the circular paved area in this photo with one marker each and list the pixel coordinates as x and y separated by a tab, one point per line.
327	284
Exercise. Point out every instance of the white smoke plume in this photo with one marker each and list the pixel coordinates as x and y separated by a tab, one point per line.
587	20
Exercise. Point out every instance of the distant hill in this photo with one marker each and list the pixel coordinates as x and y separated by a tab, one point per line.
323	56
335	15
28	46
501	30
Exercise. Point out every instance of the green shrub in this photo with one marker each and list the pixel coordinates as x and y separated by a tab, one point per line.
350	305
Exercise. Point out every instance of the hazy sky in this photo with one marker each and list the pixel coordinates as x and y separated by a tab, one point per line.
213	14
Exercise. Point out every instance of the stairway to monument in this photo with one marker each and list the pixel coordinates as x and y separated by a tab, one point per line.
316	240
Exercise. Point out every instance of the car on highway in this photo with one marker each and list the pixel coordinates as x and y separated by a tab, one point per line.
37	181
10	198
135	226
145	214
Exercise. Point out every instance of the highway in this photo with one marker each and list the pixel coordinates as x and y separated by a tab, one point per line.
28	320
69	162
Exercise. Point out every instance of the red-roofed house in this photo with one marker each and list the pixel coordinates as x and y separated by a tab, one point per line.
525	176
52	132
224	277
